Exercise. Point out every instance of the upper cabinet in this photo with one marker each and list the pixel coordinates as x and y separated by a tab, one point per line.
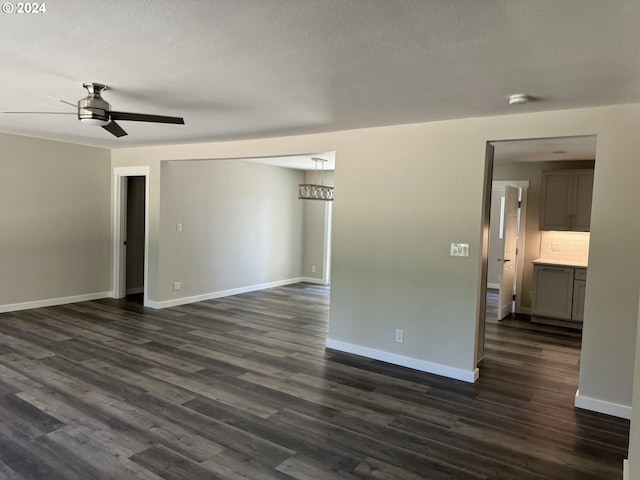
565	200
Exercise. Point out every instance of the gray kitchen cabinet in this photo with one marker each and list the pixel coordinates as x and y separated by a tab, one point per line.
579	286
552	292
565	200
558	295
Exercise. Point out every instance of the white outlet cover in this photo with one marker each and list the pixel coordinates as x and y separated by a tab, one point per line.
399	335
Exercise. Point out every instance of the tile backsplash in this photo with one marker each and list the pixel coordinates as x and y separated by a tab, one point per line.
565	246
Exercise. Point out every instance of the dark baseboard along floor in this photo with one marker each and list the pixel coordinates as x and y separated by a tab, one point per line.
243	387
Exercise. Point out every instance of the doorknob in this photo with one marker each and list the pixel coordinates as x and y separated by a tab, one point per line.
506	260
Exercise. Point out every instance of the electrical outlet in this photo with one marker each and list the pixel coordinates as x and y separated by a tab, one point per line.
178	227
399	335
313	269
176	286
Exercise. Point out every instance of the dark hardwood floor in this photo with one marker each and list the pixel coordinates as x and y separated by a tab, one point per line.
243	388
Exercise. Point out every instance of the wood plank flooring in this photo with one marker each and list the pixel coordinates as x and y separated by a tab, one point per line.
243	388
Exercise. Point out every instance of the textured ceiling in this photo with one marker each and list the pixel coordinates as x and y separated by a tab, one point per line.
237	69
545	149
324	161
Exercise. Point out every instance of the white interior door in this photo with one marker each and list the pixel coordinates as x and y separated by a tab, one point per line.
510	245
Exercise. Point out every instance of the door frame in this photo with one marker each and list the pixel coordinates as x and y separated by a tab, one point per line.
119	270
481	313
326	254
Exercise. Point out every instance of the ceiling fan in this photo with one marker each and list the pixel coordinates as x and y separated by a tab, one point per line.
94	110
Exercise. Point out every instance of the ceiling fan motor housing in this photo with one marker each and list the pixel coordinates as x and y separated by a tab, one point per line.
92	109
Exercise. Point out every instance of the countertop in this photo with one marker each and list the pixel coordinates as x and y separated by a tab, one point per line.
560	263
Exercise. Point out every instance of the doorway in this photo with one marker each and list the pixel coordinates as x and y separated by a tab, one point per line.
514	161
131	232
134	247
318	214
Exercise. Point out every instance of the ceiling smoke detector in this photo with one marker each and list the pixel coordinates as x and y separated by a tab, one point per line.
518	99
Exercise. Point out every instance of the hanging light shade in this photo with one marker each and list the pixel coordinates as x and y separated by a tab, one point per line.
310	191
316	191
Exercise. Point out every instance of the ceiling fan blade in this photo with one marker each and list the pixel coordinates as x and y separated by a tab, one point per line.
60	100
114	129
44	113
142	117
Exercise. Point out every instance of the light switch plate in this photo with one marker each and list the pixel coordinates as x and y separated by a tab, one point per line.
459	249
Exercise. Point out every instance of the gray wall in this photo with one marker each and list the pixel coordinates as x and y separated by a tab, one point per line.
391	266
55	217
242	226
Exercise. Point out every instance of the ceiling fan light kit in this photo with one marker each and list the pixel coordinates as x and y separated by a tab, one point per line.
93	109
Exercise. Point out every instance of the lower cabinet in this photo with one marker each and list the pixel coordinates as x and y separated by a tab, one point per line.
579	285
558	295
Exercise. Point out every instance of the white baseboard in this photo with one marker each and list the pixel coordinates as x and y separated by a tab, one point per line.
223	293
317	281
602	406
133	291
495	286
625	469
50	302
421	365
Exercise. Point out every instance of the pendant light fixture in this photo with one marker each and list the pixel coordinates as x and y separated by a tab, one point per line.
315	190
